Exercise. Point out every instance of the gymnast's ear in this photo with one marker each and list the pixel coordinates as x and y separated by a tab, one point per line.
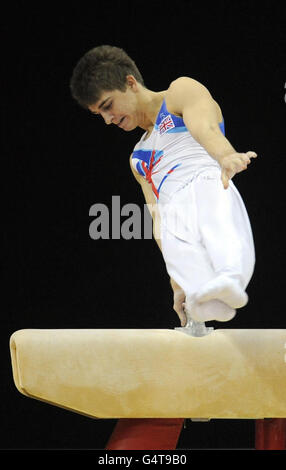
131	82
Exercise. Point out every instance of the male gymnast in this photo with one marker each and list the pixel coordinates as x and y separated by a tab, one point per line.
185	165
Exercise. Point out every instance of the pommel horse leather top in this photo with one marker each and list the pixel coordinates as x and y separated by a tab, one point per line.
154	373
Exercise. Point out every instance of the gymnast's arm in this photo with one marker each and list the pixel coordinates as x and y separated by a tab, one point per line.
179	295
151	203
194	103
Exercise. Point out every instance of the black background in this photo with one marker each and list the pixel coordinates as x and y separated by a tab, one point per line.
59	161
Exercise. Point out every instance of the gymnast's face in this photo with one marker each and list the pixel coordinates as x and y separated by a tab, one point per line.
119	108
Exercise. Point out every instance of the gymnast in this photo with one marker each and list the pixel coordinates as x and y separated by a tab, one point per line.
185	165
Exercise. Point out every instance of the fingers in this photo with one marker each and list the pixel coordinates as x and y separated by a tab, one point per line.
251	154
246	158
183	318
224	179
242	162
235	163
181	313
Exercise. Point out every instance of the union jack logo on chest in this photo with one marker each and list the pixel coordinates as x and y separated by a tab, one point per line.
166	124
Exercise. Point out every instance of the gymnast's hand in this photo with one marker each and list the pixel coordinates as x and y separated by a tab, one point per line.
179	299
234	163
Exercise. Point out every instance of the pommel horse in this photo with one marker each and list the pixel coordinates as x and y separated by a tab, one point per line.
151	380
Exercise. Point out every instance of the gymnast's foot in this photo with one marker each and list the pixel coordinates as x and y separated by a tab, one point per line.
225	289
208	311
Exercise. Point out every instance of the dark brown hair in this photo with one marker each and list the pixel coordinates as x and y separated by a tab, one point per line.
103	68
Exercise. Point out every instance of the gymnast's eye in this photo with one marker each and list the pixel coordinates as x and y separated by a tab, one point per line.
106	108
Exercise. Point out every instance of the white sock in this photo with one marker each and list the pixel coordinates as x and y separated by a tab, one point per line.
223	288
210	310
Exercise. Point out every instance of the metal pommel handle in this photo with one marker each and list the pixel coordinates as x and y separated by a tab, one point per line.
194	328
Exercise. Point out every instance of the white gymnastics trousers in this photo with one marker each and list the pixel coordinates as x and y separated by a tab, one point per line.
207	245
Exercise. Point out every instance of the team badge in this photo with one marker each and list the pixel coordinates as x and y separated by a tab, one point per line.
166	124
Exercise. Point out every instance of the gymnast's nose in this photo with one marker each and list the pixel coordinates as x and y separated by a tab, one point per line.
108	118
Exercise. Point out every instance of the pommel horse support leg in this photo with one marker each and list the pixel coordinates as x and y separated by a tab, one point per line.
151	380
